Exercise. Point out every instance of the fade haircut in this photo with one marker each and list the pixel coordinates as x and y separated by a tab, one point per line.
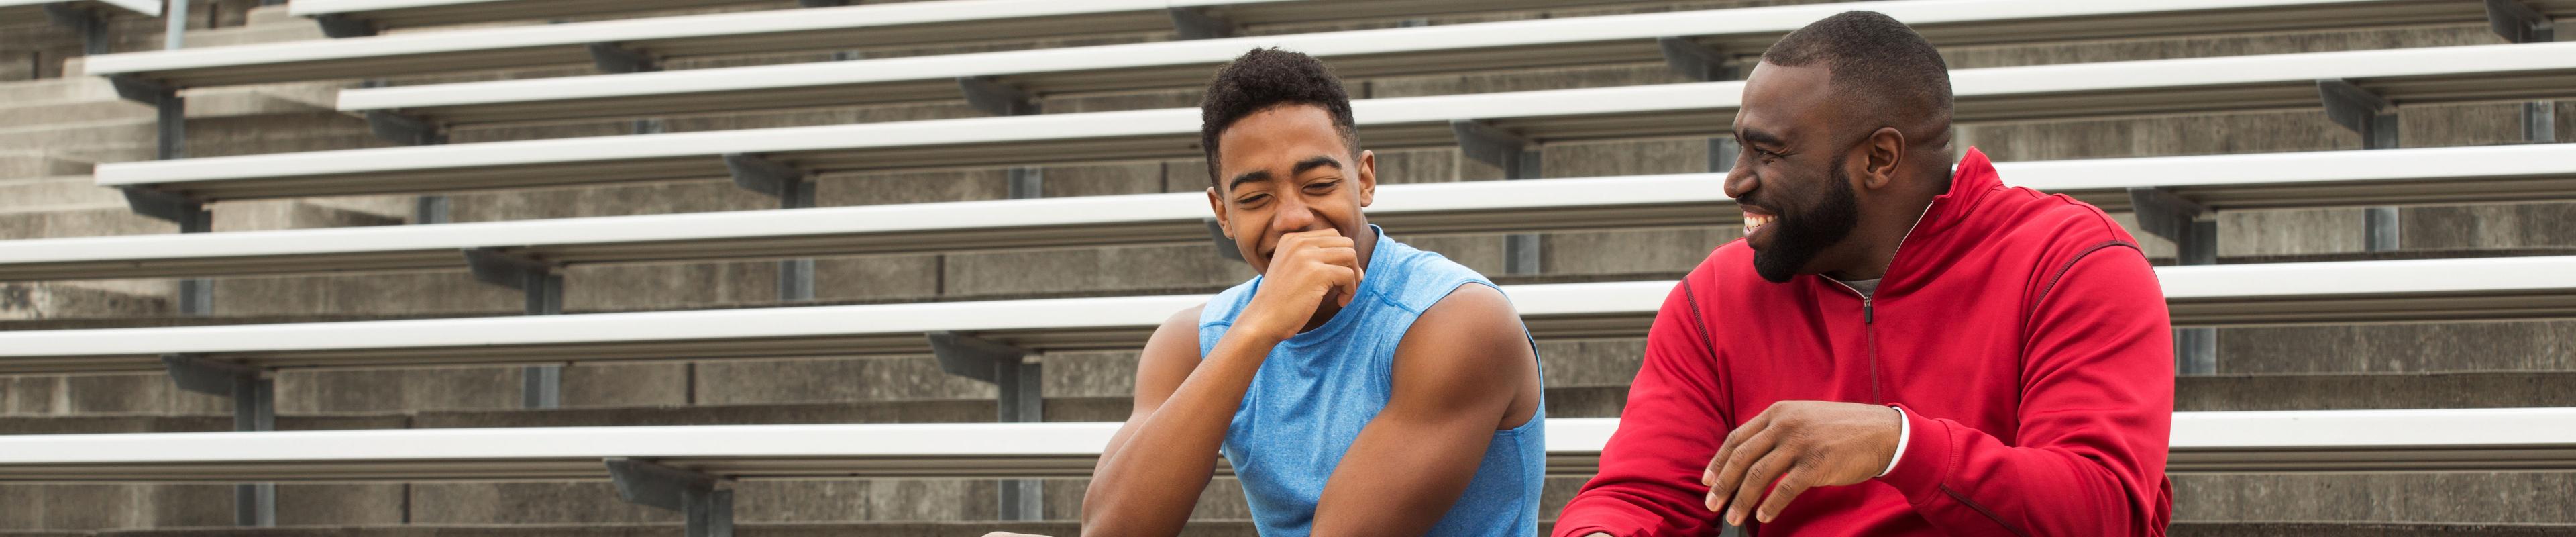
1267	78
1881	69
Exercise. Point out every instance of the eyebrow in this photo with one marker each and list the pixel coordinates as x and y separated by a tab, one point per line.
1756	136
1303	166
1314	162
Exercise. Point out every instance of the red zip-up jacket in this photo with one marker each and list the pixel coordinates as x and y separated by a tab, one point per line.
2023	334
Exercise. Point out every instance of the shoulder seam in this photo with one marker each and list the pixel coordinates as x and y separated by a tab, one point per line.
1706	345
2070	265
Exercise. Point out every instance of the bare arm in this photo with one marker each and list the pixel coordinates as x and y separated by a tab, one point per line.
1150	491
1184	402
1463	371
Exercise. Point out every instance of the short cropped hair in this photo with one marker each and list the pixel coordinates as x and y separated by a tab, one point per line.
1267	78
1881	67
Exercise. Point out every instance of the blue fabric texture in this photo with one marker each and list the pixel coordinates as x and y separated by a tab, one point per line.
1317	390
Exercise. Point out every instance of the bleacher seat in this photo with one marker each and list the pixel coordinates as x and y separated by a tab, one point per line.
1711	37
2287	81
2203	442
2220	182
2336	292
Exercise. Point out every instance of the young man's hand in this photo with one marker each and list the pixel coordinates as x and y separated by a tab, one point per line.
1802	444
1307	267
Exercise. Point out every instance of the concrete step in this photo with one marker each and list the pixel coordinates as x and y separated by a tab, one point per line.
23	166
75	300
185	424
93	221
46	194
207	137
49	91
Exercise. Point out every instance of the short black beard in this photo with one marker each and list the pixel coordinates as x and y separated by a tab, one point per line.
1805	234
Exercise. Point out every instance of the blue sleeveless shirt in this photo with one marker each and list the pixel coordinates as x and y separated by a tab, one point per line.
1317	390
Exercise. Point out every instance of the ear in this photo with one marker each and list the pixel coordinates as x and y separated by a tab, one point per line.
1882	154
1217	204
1368	177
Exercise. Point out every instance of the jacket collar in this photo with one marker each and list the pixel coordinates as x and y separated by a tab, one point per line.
1927	243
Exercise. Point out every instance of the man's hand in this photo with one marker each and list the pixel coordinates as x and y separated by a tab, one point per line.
1307	267
1802	444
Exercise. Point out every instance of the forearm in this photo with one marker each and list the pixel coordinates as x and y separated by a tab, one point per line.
1151	490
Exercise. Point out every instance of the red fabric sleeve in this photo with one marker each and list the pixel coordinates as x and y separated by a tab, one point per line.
2096	416
1649	479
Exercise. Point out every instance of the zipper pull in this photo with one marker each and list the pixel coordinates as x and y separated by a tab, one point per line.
1868	315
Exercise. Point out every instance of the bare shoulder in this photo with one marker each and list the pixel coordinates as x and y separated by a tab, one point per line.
1475	327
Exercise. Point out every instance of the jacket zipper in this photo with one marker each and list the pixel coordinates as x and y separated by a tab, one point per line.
1869	336
1869	311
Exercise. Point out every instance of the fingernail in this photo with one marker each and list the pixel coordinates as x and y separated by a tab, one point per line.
1765	517
1735	517
1712	502
1708	478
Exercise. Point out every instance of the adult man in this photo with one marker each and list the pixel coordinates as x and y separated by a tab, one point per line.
1359	386
1895	347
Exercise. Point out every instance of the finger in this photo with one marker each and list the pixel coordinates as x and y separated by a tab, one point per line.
1733	438
1791	484
1731	470
1757	477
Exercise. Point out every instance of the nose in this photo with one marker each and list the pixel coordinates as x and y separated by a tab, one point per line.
1294	215
1739	180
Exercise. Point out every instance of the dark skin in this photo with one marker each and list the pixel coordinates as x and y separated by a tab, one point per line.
1793	126
1291	200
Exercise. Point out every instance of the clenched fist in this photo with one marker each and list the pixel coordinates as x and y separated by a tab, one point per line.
1305	269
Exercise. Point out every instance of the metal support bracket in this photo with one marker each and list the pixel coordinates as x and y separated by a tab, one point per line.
794	191
402	129
179	209
1698	61
1224	246
760	174
1199	23
1020	401
1027	183
2540	122
996	98
338	26
140	90
1484	142
254	409
173	111
196	295
538	278
2162	213
1519	159
707	510
822	3
2360	110
91	25
2519	23
610	58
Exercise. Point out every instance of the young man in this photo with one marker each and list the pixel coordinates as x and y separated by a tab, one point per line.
1358	386
1895	347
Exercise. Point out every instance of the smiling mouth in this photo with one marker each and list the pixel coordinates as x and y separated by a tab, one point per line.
1753	221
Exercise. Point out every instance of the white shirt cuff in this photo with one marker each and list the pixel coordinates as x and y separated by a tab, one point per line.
1904	435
